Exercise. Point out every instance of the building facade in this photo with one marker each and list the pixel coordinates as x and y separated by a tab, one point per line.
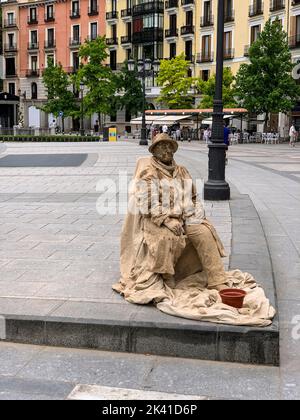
165	29
38	31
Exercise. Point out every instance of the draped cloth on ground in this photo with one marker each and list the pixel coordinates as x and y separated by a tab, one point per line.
160	268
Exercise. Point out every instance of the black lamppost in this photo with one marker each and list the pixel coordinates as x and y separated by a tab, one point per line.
145	69
216	188
82	133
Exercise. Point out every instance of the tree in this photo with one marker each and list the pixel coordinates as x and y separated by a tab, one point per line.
266	84
98	79
60	99
175	83
130	91
207	89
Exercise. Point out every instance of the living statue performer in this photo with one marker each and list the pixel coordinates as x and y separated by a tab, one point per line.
171	254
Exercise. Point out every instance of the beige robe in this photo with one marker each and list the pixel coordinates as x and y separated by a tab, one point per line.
160	267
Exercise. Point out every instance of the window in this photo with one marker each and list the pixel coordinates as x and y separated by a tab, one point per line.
206	46
205	74
34	38
33	91
11	38
93	6
10	18
75	59
189	18
207	11
50	12
189	50
94	30
113	60
76	32
255	31
50	37
10	66
33	14
114	31
75	8
12	88
173	23
34	61
173	50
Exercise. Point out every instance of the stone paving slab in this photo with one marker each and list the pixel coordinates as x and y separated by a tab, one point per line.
67	258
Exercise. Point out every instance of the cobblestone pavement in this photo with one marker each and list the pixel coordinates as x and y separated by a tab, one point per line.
56	245
55	249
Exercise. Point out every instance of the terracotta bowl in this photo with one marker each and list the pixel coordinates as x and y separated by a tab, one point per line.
233	297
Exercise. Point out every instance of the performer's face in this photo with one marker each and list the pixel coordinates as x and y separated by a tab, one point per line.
164	152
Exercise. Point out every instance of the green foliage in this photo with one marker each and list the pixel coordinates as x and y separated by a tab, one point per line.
130	91
175	83
207	89
60	98
266	84
97	78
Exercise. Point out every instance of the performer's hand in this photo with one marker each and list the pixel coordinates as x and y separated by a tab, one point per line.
174	226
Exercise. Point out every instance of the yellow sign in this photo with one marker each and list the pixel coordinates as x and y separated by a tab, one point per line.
112	134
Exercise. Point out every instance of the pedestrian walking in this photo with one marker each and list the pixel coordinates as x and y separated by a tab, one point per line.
293	136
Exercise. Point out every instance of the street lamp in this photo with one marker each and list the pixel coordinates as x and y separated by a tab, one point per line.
216	188
145	68
81	109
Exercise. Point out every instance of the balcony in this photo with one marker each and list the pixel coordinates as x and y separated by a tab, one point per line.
205	57
112	15
171	4
147	8
126	39
33	46
277	5
228	53
32	73
112	41
50	44
49	18
187	30
10	23
10	74
256	9
32	20
171	33
229	16
294	41
74	14
93	10
207	21
126	13
188	3
74	42
10	48
148	35
190	57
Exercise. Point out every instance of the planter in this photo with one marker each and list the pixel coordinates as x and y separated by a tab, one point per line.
233	297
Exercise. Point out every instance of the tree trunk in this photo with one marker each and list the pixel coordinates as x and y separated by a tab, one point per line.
100	123
63	124
266	122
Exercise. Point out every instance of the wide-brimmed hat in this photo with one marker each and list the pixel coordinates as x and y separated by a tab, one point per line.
163	138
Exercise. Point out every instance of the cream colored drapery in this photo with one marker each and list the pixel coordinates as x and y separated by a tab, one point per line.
159	267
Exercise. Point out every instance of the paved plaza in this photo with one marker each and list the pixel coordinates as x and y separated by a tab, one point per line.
59	257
